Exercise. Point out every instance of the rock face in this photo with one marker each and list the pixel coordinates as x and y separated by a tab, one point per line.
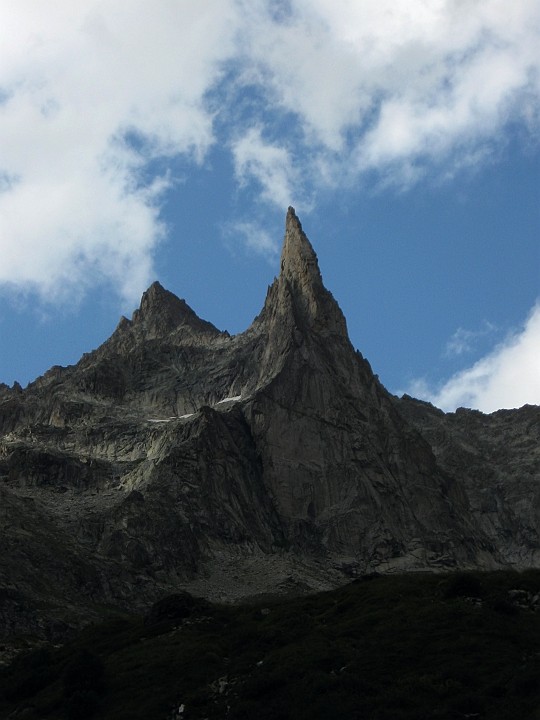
497	460
178	457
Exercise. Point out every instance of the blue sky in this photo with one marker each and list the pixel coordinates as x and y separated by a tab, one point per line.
166	140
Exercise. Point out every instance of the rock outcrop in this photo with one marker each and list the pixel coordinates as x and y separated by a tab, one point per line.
497	460
178	457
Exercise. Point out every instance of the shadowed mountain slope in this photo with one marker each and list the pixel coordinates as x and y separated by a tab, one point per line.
176	456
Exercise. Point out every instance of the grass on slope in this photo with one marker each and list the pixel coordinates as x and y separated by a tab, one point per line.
397	647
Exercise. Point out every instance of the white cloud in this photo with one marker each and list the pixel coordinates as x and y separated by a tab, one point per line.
464	341
386	84
253	237
91	93
508	377
269	165
77	79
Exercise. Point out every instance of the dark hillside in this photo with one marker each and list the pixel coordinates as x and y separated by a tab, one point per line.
464	645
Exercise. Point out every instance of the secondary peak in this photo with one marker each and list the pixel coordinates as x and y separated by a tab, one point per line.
161	312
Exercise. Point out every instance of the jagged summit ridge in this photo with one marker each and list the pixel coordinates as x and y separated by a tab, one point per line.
297	300
298	292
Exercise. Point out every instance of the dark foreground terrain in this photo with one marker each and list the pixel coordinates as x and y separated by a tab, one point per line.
462	645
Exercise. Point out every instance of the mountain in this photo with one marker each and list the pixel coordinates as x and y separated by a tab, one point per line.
176	456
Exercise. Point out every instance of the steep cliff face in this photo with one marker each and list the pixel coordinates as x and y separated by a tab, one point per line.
497	459
177	456
347	474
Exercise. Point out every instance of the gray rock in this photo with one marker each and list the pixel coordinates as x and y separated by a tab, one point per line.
176	457
497	460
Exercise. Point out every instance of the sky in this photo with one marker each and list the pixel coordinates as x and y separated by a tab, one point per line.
165	140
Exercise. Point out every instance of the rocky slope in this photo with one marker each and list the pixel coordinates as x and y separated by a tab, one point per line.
497	459
177	456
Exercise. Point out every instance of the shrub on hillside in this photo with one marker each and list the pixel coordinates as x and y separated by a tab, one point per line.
462	585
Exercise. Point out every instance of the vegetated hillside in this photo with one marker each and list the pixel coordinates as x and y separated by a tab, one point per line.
414	646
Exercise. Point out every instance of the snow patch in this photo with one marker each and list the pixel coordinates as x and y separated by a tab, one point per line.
229	399
234	398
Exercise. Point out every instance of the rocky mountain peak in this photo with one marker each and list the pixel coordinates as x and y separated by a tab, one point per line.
161	312
158	303
298	296
298	258
156	295
177	457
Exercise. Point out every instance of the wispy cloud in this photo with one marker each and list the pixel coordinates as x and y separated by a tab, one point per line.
465	341
397	86
267	164
507	377
252	236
